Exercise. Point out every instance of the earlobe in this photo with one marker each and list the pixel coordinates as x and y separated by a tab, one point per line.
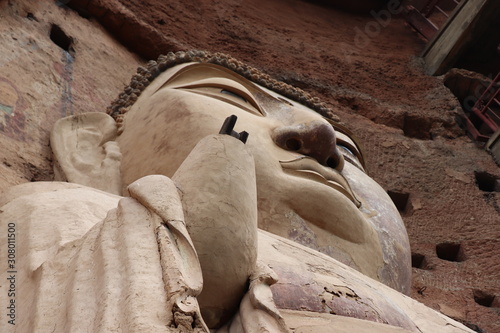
85	151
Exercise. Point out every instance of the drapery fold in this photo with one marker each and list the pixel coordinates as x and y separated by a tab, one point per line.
110	280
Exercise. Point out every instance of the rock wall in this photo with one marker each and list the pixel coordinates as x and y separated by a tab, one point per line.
365	66
53	63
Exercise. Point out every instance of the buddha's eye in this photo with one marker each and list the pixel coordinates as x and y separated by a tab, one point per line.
350	153
347	152
346	149
233	94
219	84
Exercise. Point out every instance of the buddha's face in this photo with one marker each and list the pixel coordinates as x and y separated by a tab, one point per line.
311	184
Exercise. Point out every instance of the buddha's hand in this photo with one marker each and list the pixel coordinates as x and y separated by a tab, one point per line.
217	187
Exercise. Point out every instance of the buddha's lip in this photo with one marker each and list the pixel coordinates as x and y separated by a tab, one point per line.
309	168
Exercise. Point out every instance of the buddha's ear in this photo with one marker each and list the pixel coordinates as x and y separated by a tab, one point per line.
85	151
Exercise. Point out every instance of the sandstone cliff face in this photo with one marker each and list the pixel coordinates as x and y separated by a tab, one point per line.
365	67
53	63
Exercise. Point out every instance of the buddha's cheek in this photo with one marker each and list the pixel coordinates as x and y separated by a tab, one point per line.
385	218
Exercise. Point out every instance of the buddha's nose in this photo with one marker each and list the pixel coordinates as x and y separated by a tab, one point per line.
315	139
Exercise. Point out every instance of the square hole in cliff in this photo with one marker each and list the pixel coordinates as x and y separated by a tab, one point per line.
400	199
486	181
61	39
484	298
419	261
450	251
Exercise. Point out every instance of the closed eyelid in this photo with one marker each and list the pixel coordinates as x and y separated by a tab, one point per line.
222	83
351	154
352	148
203	78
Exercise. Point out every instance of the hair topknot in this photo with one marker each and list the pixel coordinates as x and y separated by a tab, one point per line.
145	75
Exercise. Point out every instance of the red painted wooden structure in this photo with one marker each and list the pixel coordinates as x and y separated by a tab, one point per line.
484	120
431	16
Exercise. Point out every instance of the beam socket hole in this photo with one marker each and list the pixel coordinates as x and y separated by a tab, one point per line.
486	181
419	261
61	39
450	251
400	199
483	298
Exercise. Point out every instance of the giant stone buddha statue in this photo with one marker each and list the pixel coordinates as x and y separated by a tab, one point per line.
161	221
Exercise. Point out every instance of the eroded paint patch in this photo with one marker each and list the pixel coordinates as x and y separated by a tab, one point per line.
6	109
12	119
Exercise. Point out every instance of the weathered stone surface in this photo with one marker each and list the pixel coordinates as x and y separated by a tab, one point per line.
372	81
40	82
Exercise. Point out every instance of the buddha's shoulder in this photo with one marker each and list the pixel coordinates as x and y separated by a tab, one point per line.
34	190
54	204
